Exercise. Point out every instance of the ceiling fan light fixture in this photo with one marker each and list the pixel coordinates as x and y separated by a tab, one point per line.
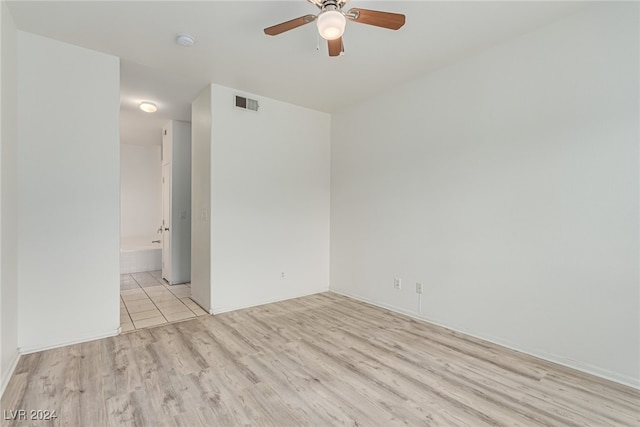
148	107
331	24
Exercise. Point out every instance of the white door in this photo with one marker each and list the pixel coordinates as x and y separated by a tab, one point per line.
166	221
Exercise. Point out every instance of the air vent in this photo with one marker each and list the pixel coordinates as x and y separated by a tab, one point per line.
246	103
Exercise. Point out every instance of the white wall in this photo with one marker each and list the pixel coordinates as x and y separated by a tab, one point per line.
8	199
269	201
68	199
140	190
201	199
508	185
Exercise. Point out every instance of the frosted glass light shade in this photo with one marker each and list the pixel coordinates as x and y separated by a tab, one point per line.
148	107
331	24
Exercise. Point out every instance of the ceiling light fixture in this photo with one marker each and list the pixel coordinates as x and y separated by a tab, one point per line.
184	39
331	24
148	107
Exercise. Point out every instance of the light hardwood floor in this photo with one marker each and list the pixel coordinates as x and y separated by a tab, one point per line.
321	360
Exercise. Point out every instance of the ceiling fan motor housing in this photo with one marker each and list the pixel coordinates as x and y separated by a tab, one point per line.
330	5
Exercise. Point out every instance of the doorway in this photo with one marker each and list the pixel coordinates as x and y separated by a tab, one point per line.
159	292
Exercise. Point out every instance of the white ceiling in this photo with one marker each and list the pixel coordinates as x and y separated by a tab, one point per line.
232	50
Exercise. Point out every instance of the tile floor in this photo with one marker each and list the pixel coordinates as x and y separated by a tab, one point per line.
146	300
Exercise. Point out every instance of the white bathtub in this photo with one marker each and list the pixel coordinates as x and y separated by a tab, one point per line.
140	254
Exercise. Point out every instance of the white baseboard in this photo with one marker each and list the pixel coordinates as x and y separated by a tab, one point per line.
559	360
6	376
77	340
278	298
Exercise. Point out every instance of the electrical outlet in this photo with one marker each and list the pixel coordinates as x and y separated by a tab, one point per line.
418	288
397	283
282	275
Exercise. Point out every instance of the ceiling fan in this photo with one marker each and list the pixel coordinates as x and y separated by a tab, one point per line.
331	22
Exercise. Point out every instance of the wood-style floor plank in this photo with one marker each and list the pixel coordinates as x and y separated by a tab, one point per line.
321	360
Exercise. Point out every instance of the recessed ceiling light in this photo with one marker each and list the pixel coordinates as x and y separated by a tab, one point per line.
184	39
148	107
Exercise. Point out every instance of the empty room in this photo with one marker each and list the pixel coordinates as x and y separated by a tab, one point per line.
320	213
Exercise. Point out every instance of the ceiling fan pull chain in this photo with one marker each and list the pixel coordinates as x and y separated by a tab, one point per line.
317	41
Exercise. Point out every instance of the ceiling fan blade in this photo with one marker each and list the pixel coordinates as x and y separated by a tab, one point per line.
392	21
289	25
336	47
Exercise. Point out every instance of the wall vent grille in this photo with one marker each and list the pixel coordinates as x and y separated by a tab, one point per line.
246	103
